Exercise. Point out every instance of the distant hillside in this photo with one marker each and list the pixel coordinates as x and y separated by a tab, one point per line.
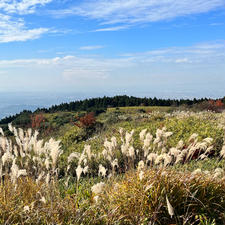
117	101
98	105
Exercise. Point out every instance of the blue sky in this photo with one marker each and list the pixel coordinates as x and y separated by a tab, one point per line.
173	48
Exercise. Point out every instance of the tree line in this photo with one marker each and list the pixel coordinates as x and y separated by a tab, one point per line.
98	105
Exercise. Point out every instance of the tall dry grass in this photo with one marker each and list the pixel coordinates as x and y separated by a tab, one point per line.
162	197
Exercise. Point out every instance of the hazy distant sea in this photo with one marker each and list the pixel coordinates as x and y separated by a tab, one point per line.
15	102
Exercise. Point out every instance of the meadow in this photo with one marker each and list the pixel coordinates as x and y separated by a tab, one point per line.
131	165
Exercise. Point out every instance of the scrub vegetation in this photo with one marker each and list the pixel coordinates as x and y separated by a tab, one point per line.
130	165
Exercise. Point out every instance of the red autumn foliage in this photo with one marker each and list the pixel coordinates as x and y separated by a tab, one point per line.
86	121
215	105
37	121
219	103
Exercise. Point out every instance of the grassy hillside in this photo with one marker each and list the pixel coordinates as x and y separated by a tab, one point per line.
143	109
131	165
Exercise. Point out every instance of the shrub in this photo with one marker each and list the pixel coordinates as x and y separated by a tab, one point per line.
86	121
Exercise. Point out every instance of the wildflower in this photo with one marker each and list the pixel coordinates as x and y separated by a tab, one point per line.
47	163
73	155
1	170
85	161
142	134
131	152
98	188
104	153
156	141
116	187
141	175
147	142
47	179
96	199
141	165
128	136
152	157
14	172
168	134
148	187
26	208
206	172
167	159
109	158
121	131
159	133
222	152
54	151
218	172
124	148
115	163
79	171
193	137
159	159
85	170
87	149
197	171
82	157
114	142
7	156
169	207
43	199
202	156
21	134
180	144
1	132
174	152
102	170
40	176
10	127
29	132
21	173
209	149
208	140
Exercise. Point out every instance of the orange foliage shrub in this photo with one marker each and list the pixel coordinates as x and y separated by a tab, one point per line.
37	120
86	121
216	105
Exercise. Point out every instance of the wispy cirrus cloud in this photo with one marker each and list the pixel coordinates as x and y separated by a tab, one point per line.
13	27
91	47
23	6
15	30
209	53
112	28
138	11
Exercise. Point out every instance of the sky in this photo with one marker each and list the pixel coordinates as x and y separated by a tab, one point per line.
169	48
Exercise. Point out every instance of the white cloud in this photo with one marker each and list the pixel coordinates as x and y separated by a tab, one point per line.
139	11
116	28
72	67
196	54
91	47
183	60
15	30
22	6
